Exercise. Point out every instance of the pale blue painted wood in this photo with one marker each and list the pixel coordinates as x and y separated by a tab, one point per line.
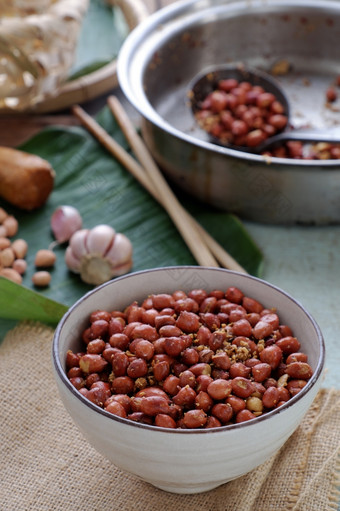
305	262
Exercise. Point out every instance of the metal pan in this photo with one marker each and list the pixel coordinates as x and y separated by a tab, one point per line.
297	40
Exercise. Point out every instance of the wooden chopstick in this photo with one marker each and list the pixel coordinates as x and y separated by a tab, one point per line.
144	156
197	234
191	236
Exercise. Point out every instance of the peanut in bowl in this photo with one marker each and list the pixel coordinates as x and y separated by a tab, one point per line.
186	443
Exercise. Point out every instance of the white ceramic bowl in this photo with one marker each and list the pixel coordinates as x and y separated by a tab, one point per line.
186	461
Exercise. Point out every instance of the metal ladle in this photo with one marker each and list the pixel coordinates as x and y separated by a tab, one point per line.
207	81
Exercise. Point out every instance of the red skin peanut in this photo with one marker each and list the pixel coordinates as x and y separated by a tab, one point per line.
119	340
123	385
72	359
171	384
236	403
244	415
153	405
77	381
242	387
162	300
185	397
116	409
219	389
145	349
190	360
188	322
99	328
288	345
242	327
271	355
195	418
92	363
239	369
186	304
173	346
262	329
100	314
295	386
122	399
120	363
203	401
223	412
165	421
297	357
99	393
271	397
198	295
252	305
299	370
261	372
96	346
161	370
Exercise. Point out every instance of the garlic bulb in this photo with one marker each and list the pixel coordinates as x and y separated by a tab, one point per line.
99	254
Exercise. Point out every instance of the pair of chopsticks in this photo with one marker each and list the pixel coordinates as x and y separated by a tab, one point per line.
205	249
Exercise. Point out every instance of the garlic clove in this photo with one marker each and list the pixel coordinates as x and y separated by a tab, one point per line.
100	239
65	221
78	243
122	269
72	262
120	251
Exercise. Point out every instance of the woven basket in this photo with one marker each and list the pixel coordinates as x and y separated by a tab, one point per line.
37	43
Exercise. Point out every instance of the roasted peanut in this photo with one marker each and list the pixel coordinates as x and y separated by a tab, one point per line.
20	248
177	362
45	258
244	415
116	409
164	421
154	405
19	265
254	404
195	418
223	412
123	385
219	389
7	257
242	387
299	370
288	344
271	355
261	372
271	397
11	226
91	363
41	278
4	243
11	274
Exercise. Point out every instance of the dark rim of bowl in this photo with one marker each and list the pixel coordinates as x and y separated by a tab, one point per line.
153	23
61	373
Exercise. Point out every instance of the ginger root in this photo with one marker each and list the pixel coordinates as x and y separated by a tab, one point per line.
26	180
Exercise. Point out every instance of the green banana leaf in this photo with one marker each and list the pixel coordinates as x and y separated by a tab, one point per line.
102	34
37	307
88	177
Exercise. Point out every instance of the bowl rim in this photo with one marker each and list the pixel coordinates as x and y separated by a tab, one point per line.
172	13
253	422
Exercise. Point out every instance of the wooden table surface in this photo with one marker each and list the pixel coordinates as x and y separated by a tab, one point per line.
15	129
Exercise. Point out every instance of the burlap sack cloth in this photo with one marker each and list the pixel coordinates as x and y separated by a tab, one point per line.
47	465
